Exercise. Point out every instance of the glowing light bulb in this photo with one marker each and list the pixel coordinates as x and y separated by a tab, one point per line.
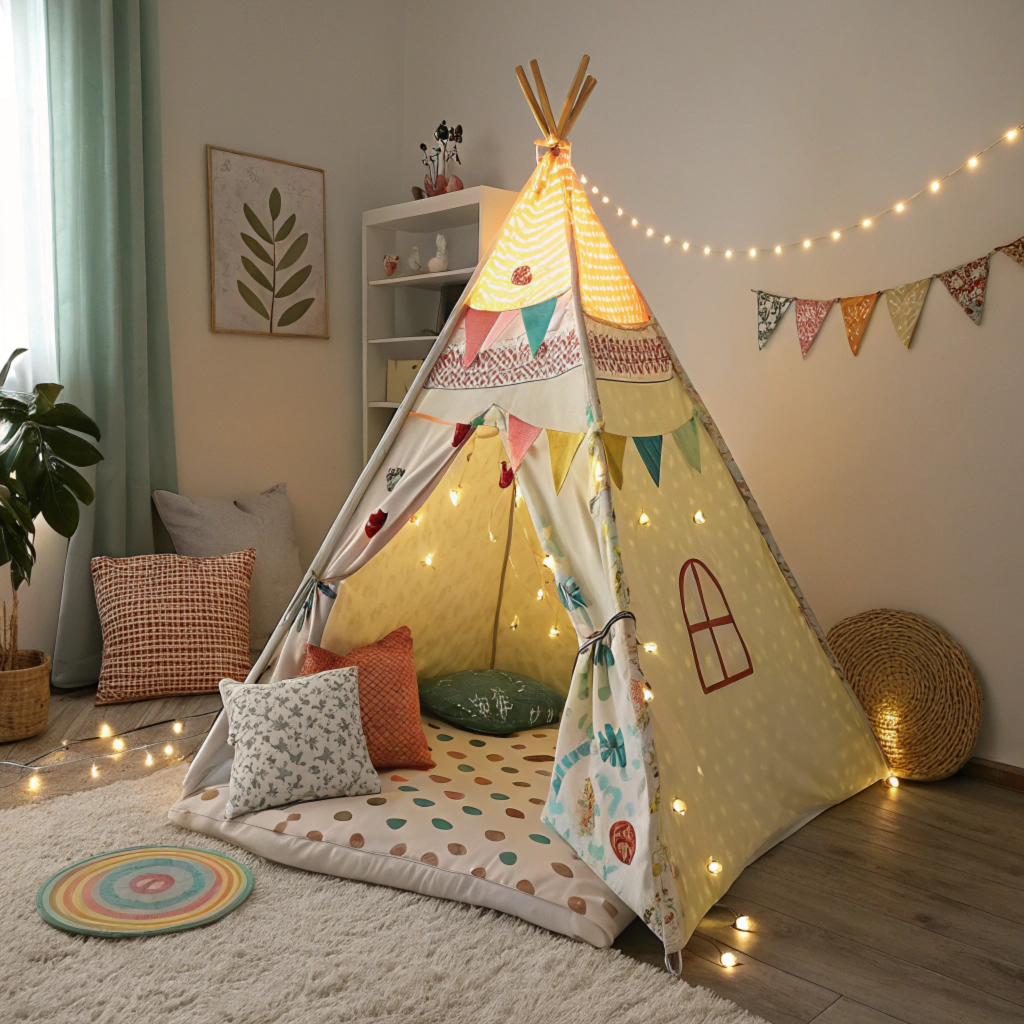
178	727
651	647
105	731
604	199
707	249
429	560
168	750
118	744
553	632
679	806
149	760
33	783
583	178
416	519
94	772
540	594
594	190
643	519
753	252
454	495
899	207
667	239
892	782
549	563
619	211
1012	134
514	624
807	243
729	959
686	246
714	866
973	162
778	248
835	234
728	253
650	231
935	186
698	517
648	694
633	222
742	923
866	222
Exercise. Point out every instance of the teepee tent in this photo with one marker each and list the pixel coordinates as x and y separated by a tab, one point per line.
553	498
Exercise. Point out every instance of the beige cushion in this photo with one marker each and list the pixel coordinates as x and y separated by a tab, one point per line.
216	526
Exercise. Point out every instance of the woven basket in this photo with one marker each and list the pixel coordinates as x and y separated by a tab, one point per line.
917	688
25	697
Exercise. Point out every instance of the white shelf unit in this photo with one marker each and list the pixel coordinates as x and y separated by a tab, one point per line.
400	312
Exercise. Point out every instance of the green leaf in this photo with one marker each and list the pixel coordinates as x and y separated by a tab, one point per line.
285	229
256	224
27	462
252	299
256	274
7	366
43	397
275	205
70	447
292	313
295	250
59	507
64	414
294	283
257	249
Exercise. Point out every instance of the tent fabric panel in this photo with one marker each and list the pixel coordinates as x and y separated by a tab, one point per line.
643	410
638	354
753	756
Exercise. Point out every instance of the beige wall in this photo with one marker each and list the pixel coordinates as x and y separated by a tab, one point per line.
892	479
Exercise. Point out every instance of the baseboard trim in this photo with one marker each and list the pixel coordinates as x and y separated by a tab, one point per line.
1006	775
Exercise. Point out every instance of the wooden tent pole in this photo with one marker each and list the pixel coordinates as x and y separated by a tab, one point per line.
588	88
542	95
532	100
571	95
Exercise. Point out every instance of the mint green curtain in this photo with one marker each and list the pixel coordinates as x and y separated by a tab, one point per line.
113	347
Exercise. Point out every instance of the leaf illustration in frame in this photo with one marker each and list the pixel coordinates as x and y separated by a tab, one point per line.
257	249
293	313
256	274
256	223
295	250
252	299
275	204
285	229
295	282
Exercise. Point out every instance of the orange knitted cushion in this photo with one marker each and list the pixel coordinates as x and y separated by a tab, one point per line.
389	700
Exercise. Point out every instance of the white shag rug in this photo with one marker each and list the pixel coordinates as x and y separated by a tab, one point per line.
302	949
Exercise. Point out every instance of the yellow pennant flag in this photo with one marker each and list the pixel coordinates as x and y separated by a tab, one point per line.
856	314
615	448
905	305
562	446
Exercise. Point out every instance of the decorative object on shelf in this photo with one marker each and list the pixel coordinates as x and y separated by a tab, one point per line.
439	263
148	890
401	374
41	445
267	246
390	264
414	260
917	688
437	181
967	284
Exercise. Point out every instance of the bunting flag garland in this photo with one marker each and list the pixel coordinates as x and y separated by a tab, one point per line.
615	450
650	451
770	310
905	305
1015	250
687	439
966	284
810	315
501	325
856	314
521	436
562	445
536	319
478	324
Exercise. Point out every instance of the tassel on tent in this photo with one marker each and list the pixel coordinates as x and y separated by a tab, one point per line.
536	320
563	446
650	451
687	439
615	449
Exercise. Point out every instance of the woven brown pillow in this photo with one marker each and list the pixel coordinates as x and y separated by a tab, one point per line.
172	625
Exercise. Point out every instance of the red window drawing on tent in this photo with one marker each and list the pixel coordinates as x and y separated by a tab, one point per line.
719	652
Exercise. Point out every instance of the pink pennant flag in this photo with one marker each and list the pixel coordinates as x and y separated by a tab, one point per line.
810	315
501	325
478	323
521	436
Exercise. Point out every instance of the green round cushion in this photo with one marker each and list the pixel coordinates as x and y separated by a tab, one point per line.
491	701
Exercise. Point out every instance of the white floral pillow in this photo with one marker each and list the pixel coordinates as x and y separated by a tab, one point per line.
297	739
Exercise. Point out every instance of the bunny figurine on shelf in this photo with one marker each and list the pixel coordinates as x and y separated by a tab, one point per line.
439	263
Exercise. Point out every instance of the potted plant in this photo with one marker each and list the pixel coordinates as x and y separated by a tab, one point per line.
39	448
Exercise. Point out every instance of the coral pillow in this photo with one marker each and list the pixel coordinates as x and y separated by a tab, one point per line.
389	700
172	625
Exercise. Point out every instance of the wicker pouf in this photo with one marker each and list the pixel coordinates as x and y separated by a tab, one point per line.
917	688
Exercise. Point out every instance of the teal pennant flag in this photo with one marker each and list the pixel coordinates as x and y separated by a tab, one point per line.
536	320
650	451
687	439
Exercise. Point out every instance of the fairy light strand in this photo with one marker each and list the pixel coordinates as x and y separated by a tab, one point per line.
834	235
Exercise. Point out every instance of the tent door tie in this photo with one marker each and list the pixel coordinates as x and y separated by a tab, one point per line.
596	638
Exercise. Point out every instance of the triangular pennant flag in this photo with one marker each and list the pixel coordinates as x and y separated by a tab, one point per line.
650	451
769	312
856	314
905	305
562	446
687	439
615	448
810	315
478	323
501	325
536	320
521	436
967	285
1015	250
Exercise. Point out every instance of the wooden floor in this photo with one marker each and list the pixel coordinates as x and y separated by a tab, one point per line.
897	906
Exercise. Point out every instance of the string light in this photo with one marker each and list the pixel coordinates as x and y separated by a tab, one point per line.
149	760
643	519
892	782
742	923
648	694
714	866
667	239
686	246
549	563
540	594
105	731
416	519
34	783
698	518
168	750
428	561
594	190
934	186
118	744
583	178
454	495
553	633
679	806
651	647
95	772
514	624
178	727
729	959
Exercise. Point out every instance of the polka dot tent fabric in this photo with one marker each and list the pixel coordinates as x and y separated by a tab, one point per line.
146	890
468	830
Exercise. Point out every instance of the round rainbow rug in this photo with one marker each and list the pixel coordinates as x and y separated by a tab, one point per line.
145	890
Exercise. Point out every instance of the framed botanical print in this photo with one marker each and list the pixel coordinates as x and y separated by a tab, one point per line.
268	250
